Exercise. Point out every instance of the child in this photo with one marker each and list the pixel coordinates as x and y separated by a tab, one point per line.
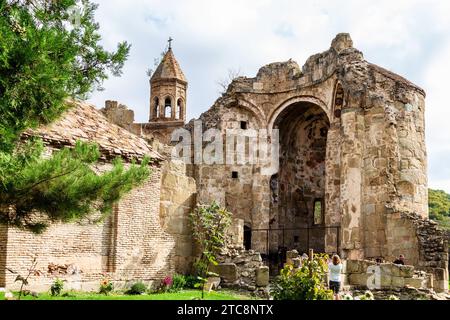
335	269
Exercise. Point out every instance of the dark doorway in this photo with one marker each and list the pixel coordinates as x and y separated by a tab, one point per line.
247	237
299	208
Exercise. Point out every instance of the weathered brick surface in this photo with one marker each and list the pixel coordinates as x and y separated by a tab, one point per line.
3	246
138	241
147	236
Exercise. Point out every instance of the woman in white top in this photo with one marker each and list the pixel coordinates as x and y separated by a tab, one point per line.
335	269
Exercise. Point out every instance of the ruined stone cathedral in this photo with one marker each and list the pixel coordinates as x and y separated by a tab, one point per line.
352	176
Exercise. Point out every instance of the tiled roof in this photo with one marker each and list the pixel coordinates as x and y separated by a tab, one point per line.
168	68
84	122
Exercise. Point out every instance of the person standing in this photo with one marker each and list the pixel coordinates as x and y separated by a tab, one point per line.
335	269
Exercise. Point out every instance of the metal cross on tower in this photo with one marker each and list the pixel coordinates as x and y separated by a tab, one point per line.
170	42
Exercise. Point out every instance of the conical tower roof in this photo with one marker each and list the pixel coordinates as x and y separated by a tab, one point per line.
168	68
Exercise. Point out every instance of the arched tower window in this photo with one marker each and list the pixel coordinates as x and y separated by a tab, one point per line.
156	108
179	111
168	108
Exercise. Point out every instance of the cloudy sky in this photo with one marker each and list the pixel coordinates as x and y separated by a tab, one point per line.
409	37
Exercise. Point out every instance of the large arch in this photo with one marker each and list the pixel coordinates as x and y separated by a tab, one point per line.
299	188
295	100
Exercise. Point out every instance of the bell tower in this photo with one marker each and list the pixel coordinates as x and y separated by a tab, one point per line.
168	87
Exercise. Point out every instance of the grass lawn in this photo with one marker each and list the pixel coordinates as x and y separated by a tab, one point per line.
183	295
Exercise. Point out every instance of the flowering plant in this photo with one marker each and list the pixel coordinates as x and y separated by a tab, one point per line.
348	297
106	286
167	283
368	295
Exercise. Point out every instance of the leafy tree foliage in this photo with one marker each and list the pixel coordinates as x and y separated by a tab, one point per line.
49	53
209	224
439	205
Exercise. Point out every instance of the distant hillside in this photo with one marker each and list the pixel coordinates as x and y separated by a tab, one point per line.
439	204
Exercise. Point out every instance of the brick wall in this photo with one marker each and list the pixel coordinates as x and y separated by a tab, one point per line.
130	245
3	243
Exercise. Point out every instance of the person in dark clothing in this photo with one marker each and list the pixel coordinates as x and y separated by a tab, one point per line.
400	260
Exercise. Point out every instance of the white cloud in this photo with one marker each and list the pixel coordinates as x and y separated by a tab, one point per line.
410	37
437	117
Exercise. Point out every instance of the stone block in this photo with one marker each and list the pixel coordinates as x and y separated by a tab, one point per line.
369	208
439	274
358	266
262	276
386	280
227	271
406	271
358	279
398	282
441	286
389	269
353	266
297	262
414	282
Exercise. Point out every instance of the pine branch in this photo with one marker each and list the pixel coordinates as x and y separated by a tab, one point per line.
21	192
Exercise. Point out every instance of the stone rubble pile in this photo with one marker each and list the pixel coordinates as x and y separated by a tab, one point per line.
404	294
242	270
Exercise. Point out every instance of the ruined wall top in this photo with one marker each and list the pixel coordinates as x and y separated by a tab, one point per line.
341	59
341	42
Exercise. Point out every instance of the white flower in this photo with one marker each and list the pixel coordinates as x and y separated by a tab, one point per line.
369	295
2	290
9	295
348	297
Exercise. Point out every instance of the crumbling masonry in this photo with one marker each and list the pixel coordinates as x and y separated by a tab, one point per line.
352	146
352	177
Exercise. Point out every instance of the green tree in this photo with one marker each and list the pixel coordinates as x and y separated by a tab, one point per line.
50	54
439	206
209	224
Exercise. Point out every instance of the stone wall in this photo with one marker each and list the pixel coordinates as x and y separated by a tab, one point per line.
158	129
375	155
118	114
178	198
433	247
427	248
368	274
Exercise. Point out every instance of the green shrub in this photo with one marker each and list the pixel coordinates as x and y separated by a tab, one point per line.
305	283
191	282
57	287
178	283
137	288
